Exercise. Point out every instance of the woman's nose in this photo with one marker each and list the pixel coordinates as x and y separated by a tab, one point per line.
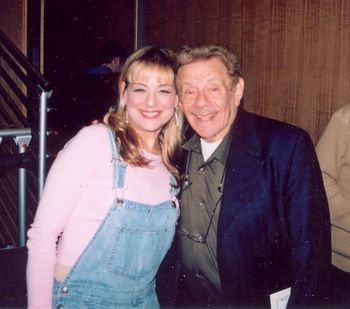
151	99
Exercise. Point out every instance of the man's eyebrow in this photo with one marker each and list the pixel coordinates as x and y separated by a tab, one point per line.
214	79
193	84
166	85
186	84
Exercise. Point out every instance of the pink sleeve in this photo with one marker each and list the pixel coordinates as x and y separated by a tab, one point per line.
64	185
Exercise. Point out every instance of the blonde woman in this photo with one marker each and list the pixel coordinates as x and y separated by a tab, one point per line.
110	199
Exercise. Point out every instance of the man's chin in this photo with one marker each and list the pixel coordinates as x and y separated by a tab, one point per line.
204	134
208	135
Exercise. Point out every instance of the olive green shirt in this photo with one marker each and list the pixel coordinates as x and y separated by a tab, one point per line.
200	207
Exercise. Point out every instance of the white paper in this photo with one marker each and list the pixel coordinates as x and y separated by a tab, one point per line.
279	300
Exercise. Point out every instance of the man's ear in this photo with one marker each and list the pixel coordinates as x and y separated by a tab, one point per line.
238	91
179	104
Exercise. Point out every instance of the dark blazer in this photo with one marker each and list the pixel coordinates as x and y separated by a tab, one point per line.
273	229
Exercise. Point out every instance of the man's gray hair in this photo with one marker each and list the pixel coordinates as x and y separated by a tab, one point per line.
205	52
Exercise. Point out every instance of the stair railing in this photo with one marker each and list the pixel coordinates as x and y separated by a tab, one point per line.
24	95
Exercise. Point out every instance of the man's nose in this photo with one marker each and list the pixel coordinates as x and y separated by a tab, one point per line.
201	99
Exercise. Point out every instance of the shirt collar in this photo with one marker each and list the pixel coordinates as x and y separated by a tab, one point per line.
220	153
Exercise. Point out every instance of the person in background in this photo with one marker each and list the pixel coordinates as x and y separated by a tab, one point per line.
254	215
89	95
111	58
108	211
333	151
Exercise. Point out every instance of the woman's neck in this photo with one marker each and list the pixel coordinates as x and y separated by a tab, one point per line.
150	145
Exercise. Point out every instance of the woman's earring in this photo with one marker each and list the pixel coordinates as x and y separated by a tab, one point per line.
126	117
176	119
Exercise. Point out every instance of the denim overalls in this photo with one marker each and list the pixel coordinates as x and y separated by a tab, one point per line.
118	267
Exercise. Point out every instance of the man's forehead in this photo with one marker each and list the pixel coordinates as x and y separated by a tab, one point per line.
202	71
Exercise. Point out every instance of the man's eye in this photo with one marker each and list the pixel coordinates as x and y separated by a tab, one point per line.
188	92
165	91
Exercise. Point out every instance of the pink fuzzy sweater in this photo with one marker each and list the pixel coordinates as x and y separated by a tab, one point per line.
77	195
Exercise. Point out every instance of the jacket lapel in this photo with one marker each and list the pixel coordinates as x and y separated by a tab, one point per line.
244	164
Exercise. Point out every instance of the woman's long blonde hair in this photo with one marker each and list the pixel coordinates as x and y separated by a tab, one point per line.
170	137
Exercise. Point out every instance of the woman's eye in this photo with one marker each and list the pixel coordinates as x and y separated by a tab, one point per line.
139	90
165	91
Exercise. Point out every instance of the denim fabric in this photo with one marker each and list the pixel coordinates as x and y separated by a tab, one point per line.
118	267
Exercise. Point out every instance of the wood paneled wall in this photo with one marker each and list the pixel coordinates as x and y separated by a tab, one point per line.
13	22
295	54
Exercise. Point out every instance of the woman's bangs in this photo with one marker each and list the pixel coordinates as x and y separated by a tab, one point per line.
142	72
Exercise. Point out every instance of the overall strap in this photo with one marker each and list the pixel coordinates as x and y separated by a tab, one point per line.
119	166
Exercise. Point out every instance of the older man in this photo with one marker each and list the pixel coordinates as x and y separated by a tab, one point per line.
254	215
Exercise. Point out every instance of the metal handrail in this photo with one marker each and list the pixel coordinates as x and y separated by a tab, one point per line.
44	87
37	90
14	132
